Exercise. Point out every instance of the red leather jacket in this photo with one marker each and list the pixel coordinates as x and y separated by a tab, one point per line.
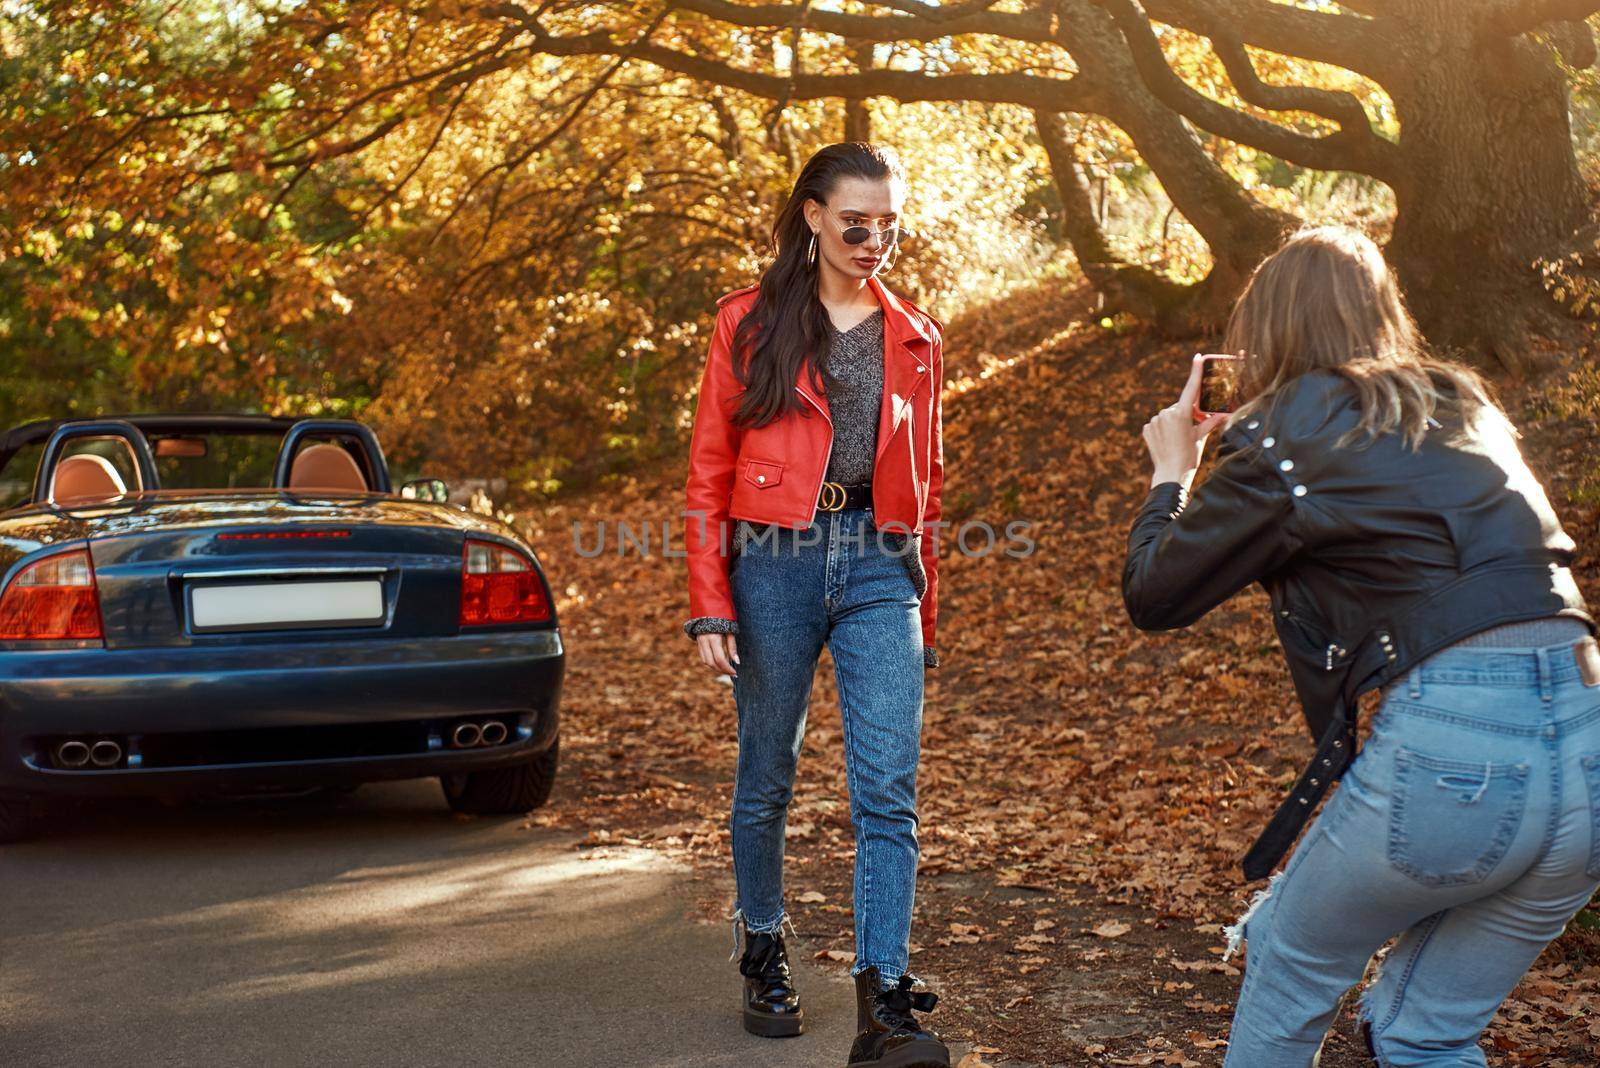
774	473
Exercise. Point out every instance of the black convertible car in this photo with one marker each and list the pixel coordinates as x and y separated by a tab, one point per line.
233	603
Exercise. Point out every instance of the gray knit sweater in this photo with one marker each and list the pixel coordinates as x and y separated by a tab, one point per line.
855	363
855	399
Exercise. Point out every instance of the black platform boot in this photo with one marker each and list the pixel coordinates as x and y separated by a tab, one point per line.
888	1036
771	1003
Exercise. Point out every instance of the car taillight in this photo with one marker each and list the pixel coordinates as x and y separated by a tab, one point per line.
499	585
53	599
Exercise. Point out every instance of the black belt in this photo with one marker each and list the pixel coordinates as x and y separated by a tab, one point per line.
1336	751
837	496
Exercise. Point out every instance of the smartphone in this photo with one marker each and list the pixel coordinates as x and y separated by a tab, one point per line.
1219	385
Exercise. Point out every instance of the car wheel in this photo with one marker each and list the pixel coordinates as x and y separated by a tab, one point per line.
504	791
19	820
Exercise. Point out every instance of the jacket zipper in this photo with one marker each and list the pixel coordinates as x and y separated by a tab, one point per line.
910	420
1334	650
824	476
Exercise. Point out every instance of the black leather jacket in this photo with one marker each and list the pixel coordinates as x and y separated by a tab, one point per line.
1374	557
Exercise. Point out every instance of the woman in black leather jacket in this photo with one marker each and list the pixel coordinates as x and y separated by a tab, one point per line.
1380	498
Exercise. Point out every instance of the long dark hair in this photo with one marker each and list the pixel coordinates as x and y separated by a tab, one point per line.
788	327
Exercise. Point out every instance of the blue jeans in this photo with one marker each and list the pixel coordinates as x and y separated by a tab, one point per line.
1469	826
836	582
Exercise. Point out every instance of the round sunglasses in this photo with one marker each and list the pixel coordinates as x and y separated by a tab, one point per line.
858	234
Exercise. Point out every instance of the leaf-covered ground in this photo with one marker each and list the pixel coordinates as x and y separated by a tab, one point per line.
1086	790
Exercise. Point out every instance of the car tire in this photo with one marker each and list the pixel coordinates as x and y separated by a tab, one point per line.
19	820
504	791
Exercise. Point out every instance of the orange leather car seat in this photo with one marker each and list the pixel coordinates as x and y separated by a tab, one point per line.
85	477
326	467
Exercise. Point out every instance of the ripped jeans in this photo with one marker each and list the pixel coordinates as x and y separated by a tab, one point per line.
1469	826
835	582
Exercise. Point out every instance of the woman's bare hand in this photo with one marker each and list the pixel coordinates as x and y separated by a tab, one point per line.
719	652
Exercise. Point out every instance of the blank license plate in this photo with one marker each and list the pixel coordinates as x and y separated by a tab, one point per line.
265	605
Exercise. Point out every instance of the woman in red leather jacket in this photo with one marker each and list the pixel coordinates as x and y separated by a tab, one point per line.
812	514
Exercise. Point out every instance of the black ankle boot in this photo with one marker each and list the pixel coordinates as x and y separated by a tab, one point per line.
771	1003
888	1035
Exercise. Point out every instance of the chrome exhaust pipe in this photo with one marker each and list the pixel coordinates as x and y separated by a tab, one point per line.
105	753
73	754
466	735
494	732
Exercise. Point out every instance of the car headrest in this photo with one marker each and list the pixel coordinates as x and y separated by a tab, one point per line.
85	477
326	467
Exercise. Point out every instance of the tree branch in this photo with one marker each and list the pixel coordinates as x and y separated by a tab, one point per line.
925	25
459	71
936	11
1350	149
563	126
1343	108
1344	40
1062	94
323	153
433	143
1513	17
1373	8
277	201
1348	41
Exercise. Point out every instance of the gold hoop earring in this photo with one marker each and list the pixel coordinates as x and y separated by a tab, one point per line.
811	251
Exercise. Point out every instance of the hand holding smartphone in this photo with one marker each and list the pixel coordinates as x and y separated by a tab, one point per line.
1219	384
1176	436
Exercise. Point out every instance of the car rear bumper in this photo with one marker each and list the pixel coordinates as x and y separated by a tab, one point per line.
274	716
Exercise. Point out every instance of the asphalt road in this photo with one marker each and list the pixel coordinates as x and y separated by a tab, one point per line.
370	930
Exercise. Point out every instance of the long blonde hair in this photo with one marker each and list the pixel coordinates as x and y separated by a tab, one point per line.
1328	300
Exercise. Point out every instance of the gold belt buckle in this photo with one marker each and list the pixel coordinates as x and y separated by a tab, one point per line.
832	498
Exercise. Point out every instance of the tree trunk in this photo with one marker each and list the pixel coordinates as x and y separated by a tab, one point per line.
1123	286
1489	184
857	115
857	121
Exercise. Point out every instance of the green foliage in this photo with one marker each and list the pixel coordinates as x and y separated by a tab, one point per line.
127	282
